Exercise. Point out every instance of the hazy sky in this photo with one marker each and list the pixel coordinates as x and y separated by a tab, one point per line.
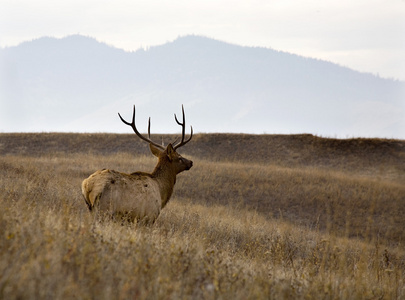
366	35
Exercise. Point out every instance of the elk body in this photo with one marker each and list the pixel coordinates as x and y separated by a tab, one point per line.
139	195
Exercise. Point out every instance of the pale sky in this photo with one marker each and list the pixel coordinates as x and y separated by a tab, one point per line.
365	35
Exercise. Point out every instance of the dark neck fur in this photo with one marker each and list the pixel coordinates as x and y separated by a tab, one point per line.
166	178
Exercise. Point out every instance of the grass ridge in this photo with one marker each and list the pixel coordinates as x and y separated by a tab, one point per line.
238	226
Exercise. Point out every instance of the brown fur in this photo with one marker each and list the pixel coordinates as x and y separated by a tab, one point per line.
137	196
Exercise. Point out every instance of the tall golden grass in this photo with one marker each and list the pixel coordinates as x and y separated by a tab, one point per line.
239	227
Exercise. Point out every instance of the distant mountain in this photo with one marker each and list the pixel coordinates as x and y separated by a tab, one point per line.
79	84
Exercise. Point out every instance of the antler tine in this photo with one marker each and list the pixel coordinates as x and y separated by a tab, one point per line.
132	124
183	131
183	125
149	128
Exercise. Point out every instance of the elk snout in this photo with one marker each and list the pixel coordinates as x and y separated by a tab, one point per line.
188	163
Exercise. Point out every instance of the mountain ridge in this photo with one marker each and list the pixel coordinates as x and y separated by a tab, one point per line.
74	84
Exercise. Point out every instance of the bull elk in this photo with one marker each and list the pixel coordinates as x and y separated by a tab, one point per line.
138	196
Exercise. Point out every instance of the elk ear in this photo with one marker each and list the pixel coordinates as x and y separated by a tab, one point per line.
155	151
170	150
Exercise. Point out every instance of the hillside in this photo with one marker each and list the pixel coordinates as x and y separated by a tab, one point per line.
255	170
256	217
77	84
357	155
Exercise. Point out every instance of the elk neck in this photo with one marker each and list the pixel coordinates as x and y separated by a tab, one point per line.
165	176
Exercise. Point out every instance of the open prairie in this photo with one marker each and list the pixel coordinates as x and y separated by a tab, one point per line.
257	217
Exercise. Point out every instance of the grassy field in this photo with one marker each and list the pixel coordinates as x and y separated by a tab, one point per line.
257	217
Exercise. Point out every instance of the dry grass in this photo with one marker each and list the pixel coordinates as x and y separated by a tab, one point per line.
234	229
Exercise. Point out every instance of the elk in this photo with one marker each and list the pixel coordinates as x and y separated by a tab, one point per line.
138	196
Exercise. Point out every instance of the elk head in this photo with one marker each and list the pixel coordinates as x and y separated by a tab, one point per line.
169	159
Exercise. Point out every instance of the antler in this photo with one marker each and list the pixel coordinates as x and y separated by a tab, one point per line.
132	124
183	125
